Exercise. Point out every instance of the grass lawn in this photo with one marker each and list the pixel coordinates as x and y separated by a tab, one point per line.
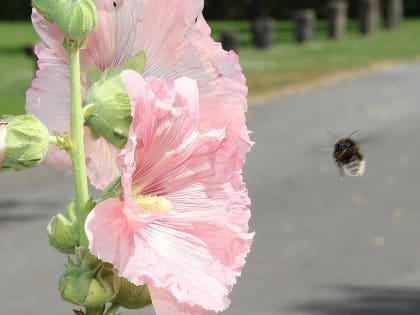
16	69
285	64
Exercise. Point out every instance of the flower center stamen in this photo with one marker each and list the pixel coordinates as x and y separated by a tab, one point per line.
153	204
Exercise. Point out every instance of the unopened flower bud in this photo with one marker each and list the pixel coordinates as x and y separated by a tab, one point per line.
75	18
63	233
108	108
131	296
24	142
89	282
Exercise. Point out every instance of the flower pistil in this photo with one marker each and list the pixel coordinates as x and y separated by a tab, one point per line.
153	204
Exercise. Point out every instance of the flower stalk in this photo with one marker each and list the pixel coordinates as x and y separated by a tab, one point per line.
94	311
77	150
112	310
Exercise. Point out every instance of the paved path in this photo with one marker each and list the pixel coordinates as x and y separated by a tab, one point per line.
323	247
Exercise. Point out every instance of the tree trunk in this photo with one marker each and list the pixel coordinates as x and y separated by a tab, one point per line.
304	25
262	30
393	13
229	41
369	16
337	19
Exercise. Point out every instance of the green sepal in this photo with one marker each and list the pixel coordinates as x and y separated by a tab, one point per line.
135	63
131	296
93	75
113	190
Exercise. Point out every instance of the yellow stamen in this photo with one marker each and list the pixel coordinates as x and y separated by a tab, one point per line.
153	204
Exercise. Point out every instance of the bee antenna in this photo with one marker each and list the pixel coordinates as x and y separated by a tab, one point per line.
352	133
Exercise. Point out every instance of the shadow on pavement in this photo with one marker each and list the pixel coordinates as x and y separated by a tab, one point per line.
11	218
367	300
7	204
13	211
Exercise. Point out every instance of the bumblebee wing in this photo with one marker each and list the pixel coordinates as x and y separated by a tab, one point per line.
369	139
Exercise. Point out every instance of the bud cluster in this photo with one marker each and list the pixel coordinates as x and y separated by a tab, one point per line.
91	283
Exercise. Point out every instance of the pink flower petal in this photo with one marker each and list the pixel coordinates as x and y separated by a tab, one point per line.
196	254
195	257
114	38
48	99
196	249
110	229
50	35
102	166
165	304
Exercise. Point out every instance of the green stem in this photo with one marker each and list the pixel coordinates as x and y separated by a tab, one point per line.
54	140
112	309
77	151
95	311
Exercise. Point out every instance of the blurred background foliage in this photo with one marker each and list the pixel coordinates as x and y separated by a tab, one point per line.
280	9
232	10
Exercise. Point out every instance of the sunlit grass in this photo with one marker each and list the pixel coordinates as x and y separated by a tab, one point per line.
285	64
16	68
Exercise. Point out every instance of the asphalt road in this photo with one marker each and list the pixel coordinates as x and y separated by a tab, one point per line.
322	247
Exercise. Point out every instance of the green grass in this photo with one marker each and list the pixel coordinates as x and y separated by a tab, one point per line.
16	68
287	64
284	65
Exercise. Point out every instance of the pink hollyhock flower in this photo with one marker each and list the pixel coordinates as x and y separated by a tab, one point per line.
177	42
180	224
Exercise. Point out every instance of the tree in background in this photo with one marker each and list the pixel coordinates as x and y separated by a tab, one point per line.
221	9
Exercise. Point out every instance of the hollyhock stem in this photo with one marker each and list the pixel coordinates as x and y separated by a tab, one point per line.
112	309
77	149
94	311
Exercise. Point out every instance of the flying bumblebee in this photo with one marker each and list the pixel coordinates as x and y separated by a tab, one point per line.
348	157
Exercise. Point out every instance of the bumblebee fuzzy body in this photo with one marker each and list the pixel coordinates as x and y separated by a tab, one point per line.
348	157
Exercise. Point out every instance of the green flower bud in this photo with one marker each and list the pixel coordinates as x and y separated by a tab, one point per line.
63	233
89	282
108	109
46	8
24	142
75	18
131	296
